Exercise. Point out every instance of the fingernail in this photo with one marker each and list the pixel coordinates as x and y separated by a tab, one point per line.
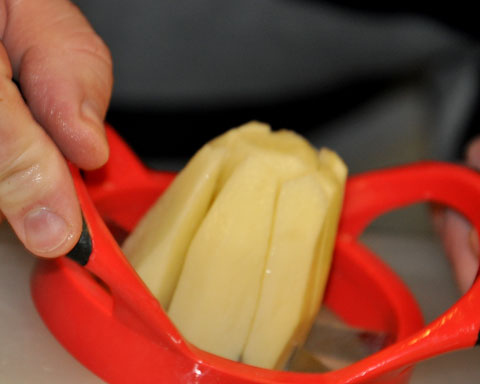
91	112
45	230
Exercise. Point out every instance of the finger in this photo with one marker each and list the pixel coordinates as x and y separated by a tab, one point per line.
437	212
65	73
36	191
474	244
458	245
459	238
473	153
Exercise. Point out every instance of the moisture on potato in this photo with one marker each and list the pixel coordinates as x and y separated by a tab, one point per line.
238	249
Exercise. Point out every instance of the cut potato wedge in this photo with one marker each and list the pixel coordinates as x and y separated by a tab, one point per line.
299	217
333	173
331	162
322	261
159	243
251	130
215	300
255	137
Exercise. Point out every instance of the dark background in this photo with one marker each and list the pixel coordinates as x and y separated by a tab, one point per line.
189	127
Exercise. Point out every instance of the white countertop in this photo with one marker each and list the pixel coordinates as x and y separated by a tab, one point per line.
30	354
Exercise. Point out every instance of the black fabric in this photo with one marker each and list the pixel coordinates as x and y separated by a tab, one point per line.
459	16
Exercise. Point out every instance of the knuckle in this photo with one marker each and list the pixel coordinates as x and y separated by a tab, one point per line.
93	51
24	177
91	44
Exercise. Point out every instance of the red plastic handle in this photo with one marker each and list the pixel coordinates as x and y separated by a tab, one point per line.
123	171
134	305
378	192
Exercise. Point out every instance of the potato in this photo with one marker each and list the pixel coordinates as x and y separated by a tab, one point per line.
157	246
299	217
276	334
239	247
217	293
254	137
261	137
333	173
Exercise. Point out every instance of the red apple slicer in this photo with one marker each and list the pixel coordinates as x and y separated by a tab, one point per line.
101	312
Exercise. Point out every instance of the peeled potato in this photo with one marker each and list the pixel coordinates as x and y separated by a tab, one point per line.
333	173
261	137
216	296
253	138
239	248
157	246
299	217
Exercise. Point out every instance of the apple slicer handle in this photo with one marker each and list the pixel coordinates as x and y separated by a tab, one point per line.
98	252
122	168
124	187
378	192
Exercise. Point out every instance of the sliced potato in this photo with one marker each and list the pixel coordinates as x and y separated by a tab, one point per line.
331	162
299	217
158	245
257	137
333	173
251	130
215	300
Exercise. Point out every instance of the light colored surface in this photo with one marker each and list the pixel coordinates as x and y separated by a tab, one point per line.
29	354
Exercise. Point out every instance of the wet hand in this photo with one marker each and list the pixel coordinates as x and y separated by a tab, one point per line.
64	72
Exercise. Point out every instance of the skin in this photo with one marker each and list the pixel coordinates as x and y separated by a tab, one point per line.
459	239
64	72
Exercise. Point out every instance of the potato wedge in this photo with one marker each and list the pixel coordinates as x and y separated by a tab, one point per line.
216	297
299	218
158	245
255	137
333	172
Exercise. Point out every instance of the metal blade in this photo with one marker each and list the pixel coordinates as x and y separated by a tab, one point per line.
333	344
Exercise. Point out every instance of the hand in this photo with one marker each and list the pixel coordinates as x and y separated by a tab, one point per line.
460	240
64	72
